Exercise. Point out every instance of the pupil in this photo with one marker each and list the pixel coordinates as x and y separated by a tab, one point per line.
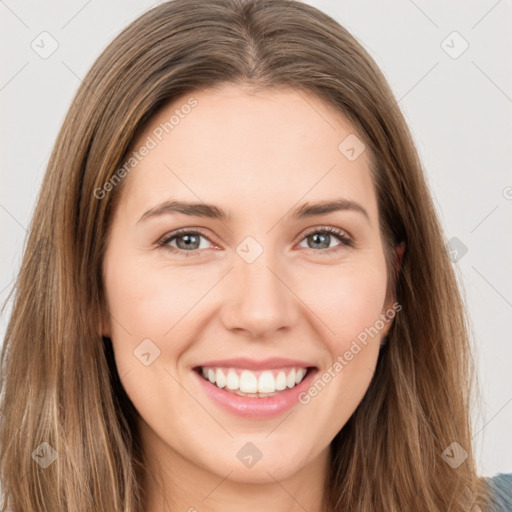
316	236
188	240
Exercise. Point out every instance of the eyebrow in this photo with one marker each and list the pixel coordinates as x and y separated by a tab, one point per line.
214	212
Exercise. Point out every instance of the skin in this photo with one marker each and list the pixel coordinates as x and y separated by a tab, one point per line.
258	156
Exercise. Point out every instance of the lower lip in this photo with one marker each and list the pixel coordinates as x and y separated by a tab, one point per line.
251	407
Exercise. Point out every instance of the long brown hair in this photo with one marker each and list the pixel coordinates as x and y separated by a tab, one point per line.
59	382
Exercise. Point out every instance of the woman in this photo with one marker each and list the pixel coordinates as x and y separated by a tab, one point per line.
178	339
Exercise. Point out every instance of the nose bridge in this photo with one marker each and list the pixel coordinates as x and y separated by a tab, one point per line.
260	301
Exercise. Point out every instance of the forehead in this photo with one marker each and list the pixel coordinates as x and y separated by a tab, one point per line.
243	149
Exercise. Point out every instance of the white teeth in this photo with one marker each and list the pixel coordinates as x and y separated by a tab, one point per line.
290	379
232	380
300	375
248	382
266	383
220	380
281	381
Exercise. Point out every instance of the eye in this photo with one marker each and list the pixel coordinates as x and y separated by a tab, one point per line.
321	238
188	241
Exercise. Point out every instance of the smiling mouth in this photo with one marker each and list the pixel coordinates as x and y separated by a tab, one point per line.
254	384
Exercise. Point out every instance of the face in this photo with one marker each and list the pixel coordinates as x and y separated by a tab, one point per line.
270	300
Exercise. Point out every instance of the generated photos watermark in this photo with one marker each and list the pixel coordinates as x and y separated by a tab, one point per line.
343	360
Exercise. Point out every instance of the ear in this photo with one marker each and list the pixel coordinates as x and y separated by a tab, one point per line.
399	254
104	323
400	248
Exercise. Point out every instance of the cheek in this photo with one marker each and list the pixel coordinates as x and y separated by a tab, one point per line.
349	303
153	302
348	299
147	299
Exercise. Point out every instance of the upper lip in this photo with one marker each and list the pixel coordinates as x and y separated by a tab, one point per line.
253	364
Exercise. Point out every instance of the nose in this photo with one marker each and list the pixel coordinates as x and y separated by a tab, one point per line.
259	300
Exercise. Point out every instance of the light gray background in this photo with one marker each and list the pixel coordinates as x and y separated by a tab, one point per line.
459	111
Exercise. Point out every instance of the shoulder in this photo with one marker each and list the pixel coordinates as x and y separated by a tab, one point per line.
501	487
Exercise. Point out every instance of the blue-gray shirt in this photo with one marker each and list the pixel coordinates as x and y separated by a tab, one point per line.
501	485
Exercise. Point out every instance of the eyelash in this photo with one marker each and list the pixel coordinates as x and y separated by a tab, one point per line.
329	230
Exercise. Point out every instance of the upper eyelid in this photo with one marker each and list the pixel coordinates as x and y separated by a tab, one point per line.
314	229
183	231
